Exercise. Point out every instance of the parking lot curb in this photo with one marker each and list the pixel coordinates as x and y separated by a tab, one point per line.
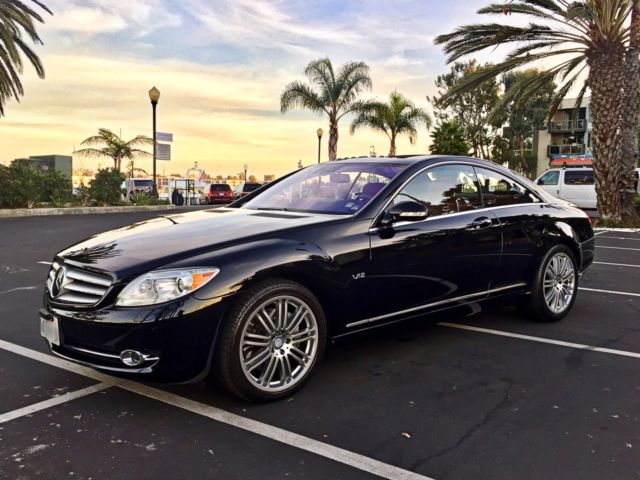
624	230
37	212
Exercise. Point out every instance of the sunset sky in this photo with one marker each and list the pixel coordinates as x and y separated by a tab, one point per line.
220	66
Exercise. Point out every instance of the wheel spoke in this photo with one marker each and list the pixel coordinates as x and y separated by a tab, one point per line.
256	343
257	359
265	378
303	336
296	319
265	319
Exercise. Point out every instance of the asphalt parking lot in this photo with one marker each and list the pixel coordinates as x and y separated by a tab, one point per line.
471	394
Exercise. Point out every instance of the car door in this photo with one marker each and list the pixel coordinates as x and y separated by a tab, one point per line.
523	218
447	256
550	182
578	187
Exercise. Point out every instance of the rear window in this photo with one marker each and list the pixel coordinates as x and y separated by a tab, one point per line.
578	177
220	188
250	187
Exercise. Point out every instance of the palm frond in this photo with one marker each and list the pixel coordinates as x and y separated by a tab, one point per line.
298	94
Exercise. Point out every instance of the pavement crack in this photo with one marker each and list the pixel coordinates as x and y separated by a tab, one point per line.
469	432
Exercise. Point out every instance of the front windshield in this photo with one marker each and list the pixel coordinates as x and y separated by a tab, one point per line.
336	187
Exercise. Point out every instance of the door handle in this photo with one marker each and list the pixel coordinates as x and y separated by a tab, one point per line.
478	223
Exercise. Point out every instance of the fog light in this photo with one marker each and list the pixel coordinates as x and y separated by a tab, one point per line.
131	358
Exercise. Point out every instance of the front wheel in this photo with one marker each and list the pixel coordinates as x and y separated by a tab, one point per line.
271	341
554	288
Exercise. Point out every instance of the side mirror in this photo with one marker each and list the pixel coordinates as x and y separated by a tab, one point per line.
540	181
406	212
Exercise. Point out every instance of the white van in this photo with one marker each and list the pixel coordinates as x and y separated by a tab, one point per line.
575	185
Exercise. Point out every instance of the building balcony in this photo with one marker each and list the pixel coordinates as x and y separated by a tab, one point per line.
567	126
576	149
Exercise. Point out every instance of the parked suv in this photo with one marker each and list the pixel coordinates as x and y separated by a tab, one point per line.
575	185
218	193
245	189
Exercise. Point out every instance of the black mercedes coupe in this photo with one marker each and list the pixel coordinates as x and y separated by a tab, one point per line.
254	291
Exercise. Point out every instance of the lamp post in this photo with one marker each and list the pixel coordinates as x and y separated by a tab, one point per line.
154	96
319	132
246	167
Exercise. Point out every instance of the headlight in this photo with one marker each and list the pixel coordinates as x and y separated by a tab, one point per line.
163	286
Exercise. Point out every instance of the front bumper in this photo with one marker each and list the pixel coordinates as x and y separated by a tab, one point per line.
176	342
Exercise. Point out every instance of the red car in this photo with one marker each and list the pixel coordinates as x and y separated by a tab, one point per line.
219	193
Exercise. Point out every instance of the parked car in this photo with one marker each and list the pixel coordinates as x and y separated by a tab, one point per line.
575	185
254	291
138	185
218	193
246	188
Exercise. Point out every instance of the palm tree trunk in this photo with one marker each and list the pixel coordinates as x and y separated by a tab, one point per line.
392	146
333	139
630	121
606	74
523	161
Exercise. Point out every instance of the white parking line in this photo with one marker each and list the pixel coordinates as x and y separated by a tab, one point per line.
619	248
52	402
617	264
599	233
622	238
550	341
614	292
19	289
311	445
45	263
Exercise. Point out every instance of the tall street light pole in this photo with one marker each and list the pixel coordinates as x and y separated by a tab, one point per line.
154	96
246	167
319	132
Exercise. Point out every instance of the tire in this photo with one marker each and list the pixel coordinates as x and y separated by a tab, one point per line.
552	294
265	355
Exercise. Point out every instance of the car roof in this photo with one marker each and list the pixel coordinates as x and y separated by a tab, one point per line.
410	160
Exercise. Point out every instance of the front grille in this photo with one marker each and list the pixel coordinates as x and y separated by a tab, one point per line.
76	286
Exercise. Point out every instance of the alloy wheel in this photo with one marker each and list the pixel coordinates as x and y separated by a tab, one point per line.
559	283
279	343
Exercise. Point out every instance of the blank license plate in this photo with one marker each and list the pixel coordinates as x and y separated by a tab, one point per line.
49	330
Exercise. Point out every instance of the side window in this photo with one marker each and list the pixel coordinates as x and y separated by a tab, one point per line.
498	190
443	190
578	177
549	178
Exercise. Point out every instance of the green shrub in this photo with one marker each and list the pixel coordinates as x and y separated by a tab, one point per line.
141	198
83	196
26	184
105	187
56	188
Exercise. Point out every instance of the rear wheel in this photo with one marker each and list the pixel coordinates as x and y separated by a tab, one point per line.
271	341
554	288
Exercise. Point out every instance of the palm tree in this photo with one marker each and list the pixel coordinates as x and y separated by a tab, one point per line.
334	94
114	147
448	138
16	23
398	117
599	38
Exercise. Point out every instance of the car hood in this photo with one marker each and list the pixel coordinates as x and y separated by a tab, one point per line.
150	244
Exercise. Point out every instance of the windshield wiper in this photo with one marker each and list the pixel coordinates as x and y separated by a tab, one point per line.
272	209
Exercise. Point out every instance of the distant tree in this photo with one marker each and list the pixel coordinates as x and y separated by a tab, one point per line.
398	117
17	26
105	187
470	109
108	144
448	138
253	179
332	93
526	115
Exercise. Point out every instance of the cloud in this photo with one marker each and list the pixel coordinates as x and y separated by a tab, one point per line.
93	17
